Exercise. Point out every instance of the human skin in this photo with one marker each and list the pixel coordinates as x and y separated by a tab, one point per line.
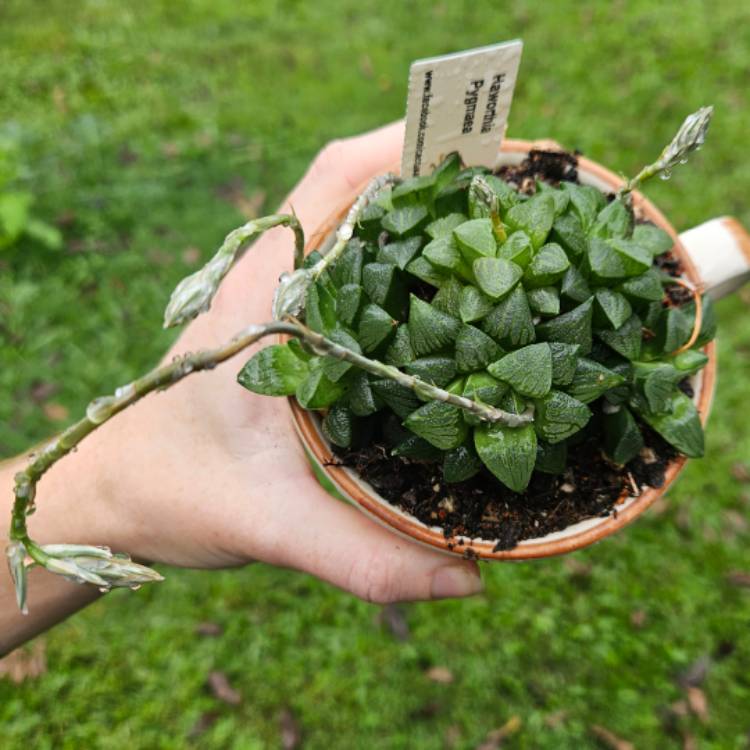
208	475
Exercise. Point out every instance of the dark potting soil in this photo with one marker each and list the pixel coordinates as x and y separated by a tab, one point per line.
481	507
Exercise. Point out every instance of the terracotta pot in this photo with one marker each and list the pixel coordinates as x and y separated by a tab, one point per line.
715	255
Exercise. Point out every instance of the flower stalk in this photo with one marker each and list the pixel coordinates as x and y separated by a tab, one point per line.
97	565
690	137
193	294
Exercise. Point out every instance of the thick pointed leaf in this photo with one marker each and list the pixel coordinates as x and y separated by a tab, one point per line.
413	191
399	351
586	201
481	386
473	304
435	369
591	380
635	258
681	426
402	400
418	449
510	322
320	308
348	302
627	339
674	330
564	362
643	288
690	362
544	301
348	268
318	391
572	327
375	327
614	220
362	399
439	424
622	438
547	266
496	276
527	370
274	371
508	452
558	416
569	232
461	464
534	216
654	239
430	329
444	226
448	298
424	270
517	248
574	285
335	368
338	425
400	253
612	309
405	222
443	254
385	285
475	349
475	239
368	225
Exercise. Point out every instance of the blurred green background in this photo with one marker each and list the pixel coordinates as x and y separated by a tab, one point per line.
145	131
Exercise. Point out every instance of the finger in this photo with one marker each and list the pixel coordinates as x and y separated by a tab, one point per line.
337	543
342	167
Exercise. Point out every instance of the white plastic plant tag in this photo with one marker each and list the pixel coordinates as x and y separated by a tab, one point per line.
459	102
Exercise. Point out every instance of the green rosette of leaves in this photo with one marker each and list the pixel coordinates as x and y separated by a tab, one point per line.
551	303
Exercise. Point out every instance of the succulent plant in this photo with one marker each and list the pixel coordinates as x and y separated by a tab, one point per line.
550	304
492	324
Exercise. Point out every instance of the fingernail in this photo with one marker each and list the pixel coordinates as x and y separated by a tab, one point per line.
455	581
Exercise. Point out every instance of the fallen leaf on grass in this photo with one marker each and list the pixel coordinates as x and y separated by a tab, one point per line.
556	719
222	690
696	673
638	618
233	192
739	578
453	736
56	412
210	629
735	524
496	737
205	722
689	742
740	472
24	663
610	739
577	568
440	674
427	710
697	703
41	391
291	733
393	617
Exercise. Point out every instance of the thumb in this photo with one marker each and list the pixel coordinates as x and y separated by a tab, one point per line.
338	544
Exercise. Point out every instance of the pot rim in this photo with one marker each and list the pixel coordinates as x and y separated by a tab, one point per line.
581	534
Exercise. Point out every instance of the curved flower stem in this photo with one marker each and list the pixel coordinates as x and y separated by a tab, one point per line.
194	293
98	565
690	137
325	347
346	230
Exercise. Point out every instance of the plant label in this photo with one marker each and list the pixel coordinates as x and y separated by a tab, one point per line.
459	102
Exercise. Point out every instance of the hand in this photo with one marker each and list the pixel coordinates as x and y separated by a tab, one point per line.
209	475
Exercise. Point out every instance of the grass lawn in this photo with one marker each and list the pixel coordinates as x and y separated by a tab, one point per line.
145	128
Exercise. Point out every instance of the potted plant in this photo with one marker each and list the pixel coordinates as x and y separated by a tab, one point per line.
502	362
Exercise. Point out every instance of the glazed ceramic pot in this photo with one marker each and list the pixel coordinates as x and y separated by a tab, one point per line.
715	256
